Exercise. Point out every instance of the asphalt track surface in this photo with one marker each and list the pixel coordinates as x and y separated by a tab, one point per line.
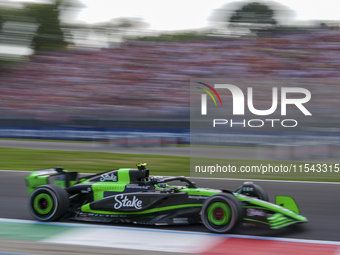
317	201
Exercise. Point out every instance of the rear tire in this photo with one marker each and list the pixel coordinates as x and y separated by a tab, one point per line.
48	203
221	213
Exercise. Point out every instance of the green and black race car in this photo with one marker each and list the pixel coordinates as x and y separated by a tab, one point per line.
131	195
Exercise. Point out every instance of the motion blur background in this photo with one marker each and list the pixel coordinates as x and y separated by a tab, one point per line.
107	70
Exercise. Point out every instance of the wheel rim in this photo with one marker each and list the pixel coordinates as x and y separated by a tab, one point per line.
43	203
219	213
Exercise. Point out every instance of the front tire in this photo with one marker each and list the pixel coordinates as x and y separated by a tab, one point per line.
48	203
253	190
221	213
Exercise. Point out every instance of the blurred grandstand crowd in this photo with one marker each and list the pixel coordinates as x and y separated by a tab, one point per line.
149	79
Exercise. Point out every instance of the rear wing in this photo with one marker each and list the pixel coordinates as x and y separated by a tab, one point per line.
62	178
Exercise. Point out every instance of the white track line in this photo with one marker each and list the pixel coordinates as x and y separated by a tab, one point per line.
231	179
227	179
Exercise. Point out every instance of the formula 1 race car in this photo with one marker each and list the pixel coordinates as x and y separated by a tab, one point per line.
131	195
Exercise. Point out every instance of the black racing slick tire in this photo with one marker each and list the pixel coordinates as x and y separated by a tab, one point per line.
262	194
48	203
221	213
253	190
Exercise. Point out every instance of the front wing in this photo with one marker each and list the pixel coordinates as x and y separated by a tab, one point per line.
260	213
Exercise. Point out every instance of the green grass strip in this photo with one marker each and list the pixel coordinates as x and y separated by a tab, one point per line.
89	162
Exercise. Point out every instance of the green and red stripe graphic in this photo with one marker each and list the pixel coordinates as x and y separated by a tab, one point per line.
207	91
157	239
